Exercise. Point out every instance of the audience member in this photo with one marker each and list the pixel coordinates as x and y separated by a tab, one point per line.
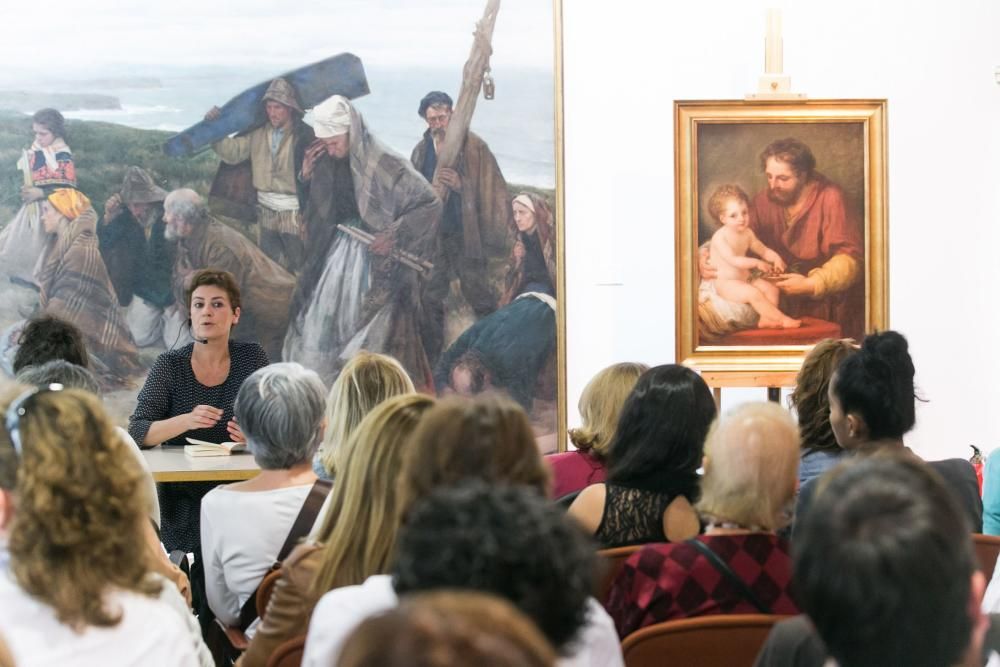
47	337
358	533
991	494
75	586
872	406
71	376
366	380
811	403
884	567
448	629
244	525
657	449
508	541
487	438
739	566
600	407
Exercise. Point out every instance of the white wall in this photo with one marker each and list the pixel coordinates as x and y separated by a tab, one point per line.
625	63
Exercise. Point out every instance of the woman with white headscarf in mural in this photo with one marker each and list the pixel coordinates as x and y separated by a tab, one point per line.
367	209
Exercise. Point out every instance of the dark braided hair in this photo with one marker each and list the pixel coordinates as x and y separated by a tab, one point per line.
877	384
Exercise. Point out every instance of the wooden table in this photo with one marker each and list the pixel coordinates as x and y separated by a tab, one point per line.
170	464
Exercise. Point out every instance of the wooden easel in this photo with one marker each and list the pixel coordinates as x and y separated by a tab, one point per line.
773	380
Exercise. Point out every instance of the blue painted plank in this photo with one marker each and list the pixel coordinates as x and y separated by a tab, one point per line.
342	74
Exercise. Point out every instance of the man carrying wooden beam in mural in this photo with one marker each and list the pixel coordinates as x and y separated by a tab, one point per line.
370	223
275	151
475	223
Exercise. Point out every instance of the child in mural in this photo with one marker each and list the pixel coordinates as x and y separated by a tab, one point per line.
730	205
47	165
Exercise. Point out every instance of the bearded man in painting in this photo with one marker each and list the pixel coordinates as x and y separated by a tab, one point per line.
802	215
475	223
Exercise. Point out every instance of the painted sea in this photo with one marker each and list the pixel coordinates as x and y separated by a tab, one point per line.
172	98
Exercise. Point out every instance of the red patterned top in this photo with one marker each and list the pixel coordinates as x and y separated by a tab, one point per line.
64	175
667	582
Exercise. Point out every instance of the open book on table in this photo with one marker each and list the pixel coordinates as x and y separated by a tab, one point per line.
204	448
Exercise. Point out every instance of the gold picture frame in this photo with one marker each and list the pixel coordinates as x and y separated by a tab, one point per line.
721	143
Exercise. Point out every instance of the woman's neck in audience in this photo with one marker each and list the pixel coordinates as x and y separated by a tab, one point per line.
882	443
268	480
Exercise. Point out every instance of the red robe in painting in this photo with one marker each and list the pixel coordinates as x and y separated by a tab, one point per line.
823	228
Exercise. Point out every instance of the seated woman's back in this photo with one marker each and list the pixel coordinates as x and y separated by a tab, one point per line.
600	407
244	525
739	565
75	586
620	516
653	461
149	632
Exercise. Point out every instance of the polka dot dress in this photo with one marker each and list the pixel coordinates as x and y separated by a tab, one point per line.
170	390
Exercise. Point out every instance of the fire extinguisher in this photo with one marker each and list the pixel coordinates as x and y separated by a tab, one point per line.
977	464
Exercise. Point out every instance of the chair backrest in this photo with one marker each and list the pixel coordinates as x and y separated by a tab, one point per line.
265	589
725	640
611	561
289	653
987	550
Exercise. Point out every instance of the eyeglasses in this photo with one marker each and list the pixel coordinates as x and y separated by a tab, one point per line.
18	409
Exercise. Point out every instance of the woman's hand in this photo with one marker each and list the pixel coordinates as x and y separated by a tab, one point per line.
30	194
518	251
235	434
203	416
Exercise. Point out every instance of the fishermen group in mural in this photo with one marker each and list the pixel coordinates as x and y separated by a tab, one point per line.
356	248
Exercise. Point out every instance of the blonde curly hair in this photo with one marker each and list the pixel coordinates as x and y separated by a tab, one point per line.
77	530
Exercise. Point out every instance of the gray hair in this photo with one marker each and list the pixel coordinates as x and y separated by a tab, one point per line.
188	205
280	411
61	372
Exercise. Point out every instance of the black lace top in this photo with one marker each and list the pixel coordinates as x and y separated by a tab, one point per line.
632	516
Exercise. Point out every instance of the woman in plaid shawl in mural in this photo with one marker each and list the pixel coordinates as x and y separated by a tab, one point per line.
75	285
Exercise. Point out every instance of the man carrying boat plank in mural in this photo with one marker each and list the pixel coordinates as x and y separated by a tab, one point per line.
275	151
475	223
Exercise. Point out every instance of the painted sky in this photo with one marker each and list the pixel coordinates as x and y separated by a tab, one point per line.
70	36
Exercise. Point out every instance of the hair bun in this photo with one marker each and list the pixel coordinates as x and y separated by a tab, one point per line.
891	348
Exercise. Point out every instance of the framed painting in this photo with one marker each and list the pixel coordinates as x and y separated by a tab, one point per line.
483	289
781	229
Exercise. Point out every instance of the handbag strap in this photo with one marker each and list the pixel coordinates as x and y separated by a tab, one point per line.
300	528
728	573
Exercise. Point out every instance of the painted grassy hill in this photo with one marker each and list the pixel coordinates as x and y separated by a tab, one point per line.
101	151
